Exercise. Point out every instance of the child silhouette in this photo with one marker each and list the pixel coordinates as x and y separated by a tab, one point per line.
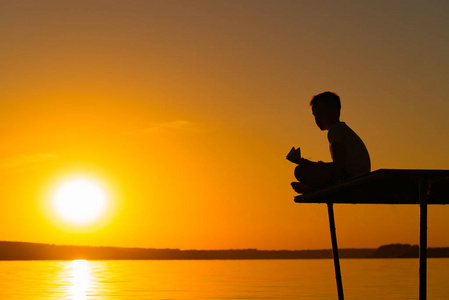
350	157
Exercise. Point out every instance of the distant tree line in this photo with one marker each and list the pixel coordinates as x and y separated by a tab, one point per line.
408	251
36	251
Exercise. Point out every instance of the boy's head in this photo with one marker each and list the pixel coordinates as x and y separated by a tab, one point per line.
326	109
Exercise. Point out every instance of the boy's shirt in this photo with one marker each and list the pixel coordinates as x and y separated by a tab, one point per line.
357	160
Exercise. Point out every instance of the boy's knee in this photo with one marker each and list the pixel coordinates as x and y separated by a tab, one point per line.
311	176
299	172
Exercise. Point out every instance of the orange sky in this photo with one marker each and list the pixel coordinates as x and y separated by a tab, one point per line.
185	110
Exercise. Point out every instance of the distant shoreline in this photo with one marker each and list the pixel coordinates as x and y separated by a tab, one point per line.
38	251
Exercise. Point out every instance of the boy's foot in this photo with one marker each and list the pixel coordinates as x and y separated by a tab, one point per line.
300	188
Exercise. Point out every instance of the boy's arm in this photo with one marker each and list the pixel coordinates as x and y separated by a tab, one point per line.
338	153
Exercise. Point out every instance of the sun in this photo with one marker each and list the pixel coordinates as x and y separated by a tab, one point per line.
80	201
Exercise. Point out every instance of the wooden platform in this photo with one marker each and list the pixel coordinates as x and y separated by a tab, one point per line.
386	186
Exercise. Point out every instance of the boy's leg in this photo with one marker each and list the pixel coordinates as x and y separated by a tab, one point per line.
312	176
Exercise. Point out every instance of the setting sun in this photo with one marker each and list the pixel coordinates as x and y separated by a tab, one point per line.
79	201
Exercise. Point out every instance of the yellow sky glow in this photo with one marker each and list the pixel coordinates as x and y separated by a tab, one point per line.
185	110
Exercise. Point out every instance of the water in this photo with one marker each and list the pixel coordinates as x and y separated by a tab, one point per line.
219	279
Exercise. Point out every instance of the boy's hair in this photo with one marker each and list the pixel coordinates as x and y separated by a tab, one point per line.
329	98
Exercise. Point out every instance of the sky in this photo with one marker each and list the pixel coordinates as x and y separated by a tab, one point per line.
183	112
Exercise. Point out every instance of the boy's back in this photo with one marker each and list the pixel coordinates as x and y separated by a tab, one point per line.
357	160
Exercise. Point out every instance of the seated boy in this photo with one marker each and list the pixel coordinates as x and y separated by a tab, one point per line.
350	157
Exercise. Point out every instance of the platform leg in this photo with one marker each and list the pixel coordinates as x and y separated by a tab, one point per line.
422	239
335	251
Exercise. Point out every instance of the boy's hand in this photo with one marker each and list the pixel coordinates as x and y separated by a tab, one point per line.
306	162
294	155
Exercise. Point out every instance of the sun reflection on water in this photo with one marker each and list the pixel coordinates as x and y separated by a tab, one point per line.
80	279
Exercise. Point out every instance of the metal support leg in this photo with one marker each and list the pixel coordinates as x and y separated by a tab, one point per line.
422	239
335	251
